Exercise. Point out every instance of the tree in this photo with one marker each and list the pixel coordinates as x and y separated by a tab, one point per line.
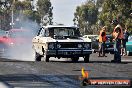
86	16
45	11
22	11
4	15
102	13
112	9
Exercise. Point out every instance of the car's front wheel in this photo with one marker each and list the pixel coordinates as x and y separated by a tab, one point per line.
86	58
37	56
46	58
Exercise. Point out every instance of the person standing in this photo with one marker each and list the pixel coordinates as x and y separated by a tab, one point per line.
102	40
126	35
117	38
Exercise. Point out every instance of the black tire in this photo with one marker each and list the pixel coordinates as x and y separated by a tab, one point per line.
37	56
86	58
46	58
75	59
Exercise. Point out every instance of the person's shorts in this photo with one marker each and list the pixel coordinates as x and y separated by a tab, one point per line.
124	43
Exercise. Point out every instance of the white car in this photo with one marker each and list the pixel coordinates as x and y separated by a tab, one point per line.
94	40
61	41
91	37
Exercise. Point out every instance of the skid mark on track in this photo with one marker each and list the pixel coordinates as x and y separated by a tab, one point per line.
40	81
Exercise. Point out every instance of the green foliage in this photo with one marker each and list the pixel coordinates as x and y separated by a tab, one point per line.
91	15
44	6
24	11
45	9
86	16
18	5
119	9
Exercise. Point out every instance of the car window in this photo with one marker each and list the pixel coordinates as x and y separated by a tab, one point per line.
64	31
41	33
47	33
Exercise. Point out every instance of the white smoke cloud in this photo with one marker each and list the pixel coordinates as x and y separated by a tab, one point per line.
22	49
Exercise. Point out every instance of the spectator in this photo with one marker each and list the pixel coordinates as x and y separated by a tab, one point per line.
117	38
102	40
126	35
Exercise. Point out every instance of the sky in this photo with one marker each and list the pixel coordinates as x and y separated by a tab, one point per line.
63	10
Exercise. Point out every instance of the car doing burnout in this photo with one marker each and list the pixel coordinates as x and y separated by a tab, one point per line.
61	42
14	40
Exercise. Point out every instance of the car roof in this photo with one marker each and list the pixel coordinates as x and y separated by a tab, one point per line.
56	26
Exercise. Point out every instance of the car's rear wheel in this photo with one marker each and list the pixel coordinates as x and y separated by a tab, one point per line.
37	56
75	59
86	58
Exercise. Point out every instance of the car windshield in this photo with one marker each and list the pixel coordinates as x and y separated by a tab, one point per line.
67	32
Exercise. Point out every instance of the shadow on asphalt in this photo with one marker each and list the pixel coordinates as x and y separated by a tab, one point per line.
40	81
91	62
100	61
8	60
